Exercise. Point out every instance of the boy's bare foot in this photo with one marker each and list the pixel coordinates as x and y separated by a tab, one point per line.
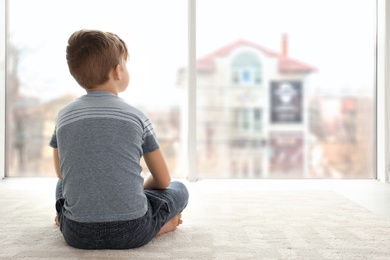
171	225
57	221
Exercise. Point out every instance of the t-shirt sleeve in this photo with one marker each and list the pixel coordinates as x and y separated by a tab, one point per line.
149	137
53	140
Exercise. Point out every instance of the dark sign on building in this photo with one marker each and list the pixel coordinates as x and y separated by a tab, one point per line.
286	102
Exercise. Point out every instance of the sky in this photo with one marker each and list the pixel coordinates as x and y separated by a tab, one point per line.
336	36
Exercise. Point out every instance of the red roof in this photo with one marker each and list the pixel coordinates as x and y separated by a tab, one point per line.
286	64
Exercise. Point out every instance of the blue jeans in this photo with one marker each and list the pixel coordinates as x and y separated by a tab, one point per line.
163	205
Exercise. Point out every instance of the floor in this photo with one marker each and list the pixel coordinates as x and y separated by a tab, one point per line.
273	219
371	194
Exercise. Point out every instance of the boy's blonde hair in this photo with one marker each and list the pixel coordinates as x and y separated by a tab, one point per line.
92	54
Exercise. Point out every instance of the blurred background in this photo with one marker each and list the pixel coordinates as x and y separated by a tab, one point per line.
285	89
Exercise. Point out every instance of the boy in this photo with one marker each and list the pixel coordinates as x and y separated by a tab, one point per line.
99	139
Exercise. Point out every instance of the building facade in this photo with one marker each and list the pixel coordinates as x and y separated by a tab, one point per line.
251	120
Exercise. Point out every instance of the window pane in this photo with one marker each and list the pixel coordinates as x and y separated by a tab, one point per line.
40	84
285	88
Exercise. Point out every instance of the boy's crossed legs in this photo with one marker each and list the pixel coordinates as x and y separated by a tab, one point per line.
164	205
168	227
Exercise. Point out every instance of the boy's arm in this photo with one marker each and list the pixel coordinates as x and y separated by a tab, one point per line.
56	159
160	178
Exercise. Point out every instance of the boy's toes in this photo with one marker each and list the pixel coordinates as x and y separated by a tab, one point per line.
179	220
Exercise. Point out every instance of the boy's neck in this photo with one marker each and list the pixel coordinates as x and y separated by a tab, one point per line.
115	83
104	87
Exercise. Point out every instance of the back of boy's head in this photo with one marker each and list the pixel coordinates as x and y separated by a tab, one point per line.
92	54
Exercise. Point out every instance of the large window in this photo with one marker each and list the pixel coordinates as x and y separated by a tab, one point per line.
282	90
40	83
293	84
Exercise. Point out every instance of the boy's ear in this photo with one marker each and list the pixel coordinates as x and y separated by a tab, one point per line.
116	72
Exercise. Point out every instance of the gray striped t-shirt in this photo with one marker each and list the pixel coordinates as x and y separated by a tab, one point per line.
100	140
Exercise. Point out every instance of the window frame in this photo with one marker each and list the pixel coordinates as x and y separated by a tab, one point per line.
3	69
382	91
382	123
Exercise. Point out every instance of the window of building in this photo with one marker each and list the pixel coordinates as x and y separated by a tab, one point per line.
247	120
257	119
246	70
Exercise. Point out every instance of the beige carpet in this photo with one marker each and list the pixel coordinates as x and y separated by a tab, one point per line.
227	222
